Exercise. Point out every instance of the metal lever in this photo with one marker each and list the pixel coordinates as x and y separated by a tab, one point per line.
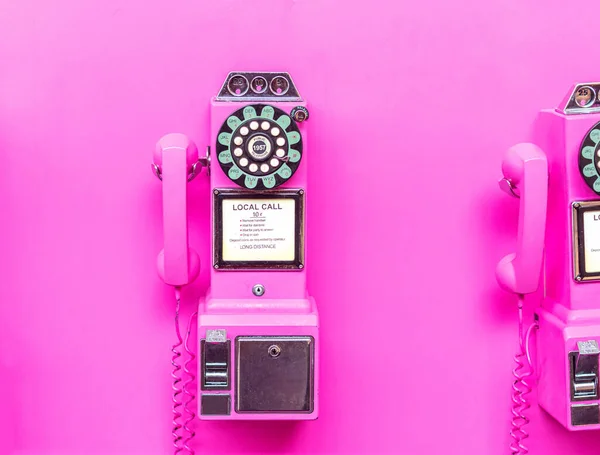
509	188
195	169
585	371
215	365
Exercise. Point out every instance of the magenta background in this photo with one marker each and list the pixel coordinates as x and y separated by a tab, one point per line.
416	338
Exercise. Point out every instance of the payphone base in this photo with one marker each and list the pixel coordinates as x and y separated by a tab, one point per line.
258	360
567	362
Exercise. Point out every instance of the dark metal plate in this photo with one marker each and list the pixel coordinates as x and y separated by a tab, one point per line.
275	374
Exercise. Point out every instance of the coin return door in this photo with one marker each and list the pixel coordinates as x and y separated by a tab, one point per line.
584	383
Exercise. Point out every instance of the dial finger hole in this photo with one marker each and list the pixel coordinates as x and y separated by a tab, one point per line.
274	162
280	141
238	152
244	162
264	167
265	125
244	130
280	153
254	125
253	167
238	140
275	132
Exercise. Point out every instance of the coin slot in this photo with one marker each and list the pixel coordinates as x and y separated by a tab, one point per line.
279	85
258	85
238	85
585	96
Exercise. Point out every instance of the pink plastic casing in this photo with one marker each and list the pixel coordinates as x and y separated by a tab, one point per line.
284	309
570	310
177	264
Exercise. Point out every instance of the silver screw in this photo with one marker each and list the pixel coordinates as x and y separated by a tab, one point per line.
274	350
578	277
258	290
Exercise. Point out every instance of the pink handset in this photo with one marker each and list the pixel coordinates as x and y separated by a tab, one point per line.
258	327
175	159
567	326
525	170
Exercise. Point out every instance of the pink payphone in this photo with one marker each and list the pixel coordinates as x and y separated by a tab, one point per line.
558	246
257	325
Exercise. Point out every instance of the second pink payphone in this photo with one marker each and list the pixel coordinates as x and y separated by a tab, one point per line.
558	182
257	325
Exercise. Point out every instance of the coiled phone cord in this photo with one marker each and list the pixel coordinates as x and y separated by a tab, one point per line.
521	387
182	434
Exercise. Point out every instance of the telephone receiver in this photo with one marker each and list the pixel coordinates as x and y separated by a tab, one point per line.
175	164
525	170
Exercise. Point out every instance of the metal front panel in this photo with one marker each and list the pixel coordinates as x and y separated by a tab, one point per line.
258	86
274	374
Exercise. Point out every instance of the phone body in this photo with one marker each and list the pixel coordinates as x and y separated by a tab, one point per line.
569	319
258	326
566	208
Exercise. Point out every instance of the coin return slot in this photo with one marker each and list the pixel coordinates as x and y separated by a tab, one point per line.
584	373
215	365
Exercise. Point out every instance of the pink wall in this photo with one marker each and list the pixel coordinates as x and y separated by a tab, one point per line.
407	225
